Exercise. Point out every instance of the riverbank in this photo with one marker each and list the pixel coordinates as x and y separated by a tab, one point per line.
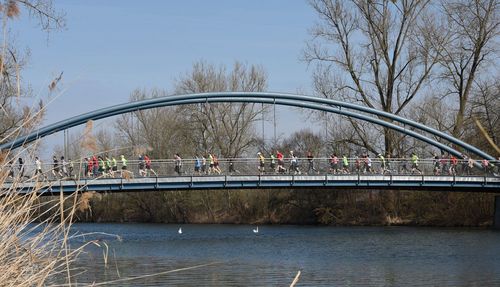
305	207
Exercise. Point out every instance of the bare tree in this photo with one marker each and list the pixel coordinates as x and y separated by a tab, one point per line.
15	115
160	132
474	25
302	142
485	107
377	53
226	128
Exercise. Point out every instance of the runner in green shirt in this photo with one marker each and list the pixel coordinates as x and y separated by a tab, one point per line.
124	165
414	164
345	164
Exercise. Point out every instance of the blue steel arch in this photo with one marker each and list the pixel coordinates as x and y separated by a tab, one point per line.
302	101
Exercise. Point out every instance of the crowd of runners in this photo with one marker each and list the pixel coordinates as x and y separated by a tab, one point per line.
364	164
106	166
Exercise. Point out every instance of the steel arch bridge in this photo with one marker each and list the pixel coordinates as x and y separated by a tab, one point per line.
327	181
405	126
302	101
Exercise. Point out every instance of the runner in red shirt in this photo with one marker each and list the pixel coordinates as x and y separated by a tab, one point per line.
281	162
149	170
453	165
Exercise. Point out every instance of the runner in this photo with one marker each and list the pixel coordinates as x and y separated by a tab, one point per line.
109	166
345	164
232	169
310	160
453	165
64	164
281	162
114	167
95	166
178	164
142	166
272	165
70	168
294	163
102	167
204	165
216	164
464	161
388	163
211	161
403	166
90	167
20	167
149	168
470	165
437	164
444	164
357	163
368	164
414	164
10	167
383	167
334	163
262	162
197	164
55	170
38	169
486	166
124	165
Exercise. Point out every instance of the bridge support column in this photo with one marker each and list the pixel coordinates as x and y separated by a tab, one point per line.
496	218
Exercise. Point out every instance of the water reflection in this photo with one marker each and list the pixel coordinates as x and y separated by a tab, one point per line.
326	256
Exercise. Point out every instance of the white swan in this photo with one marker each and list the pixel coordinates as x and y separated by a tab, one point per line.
256	230
180	230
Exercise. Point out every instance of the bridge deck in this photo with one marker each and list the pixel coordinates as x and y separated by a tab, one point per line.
396	182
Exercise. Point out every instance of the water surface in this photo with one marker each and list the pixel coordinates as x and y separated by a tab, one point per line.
326	256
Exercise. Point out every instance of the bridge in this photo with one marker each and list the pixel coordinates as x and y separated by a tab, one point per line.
428	180
360	182
372	115
475	178
395	174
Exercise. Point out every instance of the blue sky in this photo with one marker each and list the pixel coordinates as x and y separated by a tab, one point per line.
110	48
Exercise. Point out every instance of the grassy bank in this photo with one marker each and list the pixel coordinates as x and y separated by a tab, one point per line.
291	207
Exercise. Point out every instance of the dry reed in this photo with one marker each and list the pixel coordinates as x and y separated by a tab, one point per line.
34	234
296	279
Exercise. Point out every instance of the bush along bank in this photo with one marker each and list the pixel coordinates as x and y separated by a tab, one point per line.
276	206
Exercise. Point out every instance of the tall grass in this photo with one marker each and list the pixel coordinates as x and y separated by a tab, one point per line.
34	233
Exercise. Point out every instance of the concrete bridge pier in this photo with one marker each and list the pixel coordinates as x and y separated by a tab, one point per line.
496	218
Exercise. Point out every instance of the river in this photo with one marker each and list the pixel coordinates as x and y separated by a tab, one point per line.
233	255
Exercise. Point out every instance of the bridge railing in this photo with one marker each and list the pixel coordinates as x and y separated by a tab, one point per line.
252	166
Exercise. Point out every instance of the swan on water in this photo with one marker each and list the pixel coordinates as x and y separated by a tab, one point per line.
180	230
256	230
